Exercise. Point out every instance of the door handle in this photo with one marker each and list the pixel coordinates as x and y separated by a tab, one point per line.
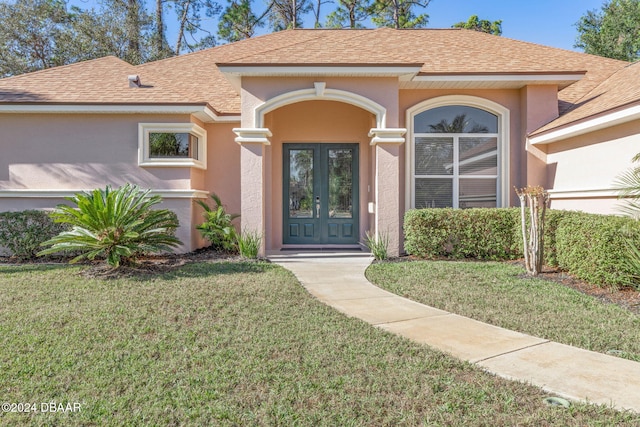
317	206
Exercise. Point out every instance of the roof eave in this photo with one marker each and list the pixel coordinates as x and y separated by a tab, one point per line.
587	125
498	80
203	111
234	72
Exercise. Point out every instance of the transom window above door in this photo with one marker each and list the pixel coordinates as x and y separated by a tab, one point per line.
455	158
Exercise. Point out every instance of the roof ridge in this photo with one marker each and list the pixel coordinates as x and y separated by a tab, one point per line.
65	66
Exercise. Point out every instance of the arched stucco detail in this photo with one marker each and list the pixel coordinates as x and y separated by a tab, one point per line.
499	110
321	93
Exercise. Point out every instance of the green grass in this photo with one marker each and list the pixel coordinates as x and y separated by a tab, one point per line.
496	293
234	344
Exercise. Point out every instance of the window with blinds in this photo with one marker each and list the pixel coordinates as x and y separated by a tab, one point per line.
455	158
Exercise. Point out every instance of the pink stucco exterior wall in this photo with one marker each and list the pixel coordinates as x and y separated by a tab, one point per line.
582	170
59	154
72	152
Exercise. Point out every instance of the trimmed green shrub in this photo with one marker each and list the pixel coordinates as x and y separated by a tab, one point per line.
23	232
491	234
117	224
593	248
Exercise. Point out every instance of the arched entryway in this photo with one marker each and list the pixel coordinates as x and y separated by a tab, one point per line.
320	158
320	116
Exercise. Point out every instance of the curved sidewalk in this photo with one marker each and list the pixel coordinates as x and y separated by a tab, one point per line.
337	279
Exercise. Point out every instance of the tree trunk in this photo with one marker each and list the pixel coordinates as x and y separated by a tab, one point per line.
537	199
159	36
183	22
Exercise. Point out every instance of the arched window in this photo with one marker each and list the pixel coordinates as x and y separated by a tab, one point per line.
456	157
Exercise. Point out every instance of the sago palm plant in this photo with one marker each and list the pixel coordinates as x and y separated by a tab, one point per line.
116	224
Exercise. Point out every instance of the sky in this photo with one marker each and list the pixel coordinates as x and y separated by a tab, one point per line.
547	22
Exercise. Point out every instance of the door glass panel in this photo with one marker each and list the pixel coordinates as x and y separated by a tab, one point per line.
434	156
340	183
301	183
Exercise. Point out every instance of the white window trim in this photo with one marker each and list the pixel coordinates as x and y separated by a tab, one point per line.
469	101
144	129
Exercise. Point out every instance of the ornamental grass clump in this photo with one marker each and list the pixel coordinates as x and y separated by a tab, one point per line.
115	224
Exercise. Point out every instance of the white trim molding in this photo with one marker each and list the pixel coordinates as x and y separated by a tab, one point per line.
252	136
507	80
504	121
201	112
60	194
585	193
144	158
321	93
387	136
591	125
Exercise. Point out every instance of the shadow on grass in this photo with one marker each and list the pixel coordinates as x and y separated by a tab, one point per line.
29	268
185	271
203	269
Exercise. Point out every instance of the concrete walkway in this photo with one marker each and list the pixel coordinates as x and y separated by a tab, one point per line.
337	279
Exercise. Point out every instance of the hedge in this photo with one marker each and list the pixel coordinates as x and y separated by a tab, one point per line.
592	247
23	232
491	234
589	246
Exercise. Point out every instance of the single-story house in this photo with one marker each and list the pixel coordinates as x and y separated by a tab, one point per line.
317	136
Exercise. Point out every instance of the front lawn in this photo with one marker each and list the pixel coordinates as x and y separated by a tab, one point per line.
234	344
499	294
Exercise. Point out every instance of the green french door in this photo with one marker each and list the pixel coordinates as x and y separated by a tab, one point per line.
320	194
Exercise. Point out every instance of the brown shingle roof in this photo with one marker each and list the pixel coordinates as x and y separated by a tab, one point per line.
621	90
195	77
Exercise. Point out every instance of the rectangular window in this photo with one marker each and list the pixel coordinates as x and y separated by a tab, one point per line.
172	145
455	171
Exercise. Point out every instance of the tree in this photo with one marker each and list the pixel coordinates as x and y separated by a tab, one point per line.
160	48
482	25
350	14
399	13
32	34
614	32
238	22
459	124
286	14
537	199
190	22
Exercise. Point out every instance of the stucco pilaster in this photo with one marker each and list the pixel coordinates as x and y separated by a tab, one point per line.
252	180
387	143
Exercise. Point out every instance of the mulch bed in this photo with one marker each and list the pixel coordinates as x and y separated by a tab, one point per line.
626	298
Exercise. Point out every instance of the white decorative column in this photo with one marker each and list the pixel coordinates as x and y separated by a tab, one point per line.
252	180
387	144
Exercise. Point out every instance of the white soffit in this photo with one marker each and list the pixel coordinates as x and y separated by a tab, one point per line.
491	81
586	126
202	112
404	72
